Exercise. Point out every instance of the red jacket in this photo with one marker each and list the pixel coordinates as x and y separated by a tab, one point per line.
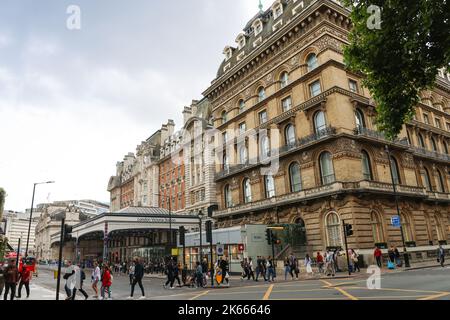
106	279
378	253
319	258
25	275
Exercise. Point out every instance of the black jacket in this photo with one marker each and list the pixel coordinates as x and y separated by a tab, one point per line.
138	271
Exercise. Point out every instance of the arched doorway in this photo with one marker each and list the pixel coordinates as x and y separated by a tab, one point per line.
299	232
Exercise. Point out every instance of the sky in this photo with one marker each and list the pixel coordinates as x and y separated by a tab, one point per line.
73	102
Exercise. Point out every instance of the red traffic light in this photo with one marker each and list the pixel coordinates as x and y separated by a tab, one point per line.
241	247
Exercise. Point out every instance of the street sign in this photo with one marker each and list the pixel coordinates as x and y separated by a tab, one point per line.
395	221
220	249
241	247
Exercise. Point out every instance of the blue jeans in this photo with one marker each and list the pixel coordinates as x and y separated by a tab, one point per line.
287	270
270	272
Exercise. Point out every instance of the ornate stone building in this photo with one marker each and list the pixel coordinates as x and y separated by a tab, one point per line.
283	96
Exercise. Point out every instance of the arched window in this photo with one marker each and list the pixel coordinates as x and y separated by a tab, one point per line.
395	171
289	132
311	61
228	199
224	117
441	186
243	155
319	122
421	141
247	191
270	186
241	105
445	147
377	227
284	78
427	180
333	230
295	177
326	168
359	116
366	168
261	94
434	145
407	230
265	147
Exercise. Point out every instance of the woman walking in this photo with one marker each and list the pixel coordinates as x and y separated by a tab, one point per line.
308	266
95	278
106	282
25	277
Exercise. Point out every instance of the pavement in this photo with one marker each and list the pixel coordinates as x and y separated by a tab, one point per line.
420	282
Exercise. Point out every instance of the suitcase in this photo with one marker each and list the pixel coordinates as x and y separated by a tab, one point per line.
391	265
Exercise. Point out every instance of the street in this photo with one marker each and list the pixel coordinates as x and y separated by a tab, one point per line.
422	284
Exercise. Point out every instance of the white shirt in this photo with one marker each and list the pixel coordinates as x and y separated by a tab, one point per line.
71	281
96	274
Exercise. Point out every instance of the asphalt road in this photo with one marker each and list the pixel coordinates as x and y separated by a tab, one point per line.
424	284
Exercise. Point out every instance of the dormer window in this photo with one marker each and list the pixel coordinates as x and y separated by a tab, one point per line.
277	9
257	26
240	40
228	52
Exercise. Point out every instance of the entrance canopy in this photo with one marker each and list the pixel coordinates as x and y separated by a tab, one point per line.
130	219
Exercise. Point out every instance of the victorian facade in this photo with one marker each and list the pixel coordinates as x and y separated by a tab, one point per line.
284	102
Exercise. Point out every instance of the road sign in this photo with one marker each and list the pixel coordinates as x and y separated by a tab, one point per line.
241	247
220	249
395	221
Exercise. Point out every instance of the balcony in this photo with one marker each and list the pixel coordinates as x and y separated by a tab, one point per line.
298	144
379	136
330	189
430	154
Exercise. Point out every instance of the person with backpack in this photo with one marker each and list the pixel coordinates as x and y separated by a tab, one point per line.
25	278
138	276
80	276
106	282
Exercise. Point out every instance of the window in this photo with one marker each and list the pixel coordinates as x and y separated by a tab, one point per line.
261	94
257	26
226	163
265	147
359	116
326	168
426	119
270	187
247	191
295	177
366	168
438	123
319	122
426	180
284	78
314	88
225	137
240	40
228	199
311	61
290	135
286	104
445	147
224	117
440	185
395	171
242	128
377	228
433	145
421	141
333	230
243	155
353	85
262	117
241	106
277	10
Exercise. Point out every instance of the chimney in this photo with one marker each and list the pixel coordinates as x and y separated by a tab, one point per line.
164	133
187	113
171	127
194	107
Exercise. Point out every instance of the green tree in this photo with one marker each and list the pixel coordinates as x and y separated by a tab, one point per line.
401	57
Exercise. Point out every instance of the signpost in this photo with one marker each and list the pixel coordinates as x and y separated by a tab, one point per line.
395	221
220	249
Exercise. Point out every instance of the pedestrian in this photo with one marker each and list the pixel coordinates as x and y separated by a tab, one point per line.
2	279
292	264
138	276
287	268
224	266
398	259
244	268
378	254
355	258
199	275
131	271
11	277
69	276
204	270
329	260
270	270
25	278
251	274
308	266
80	276
176	274
106	282
336	255
170	275
261	268
441	255
391	254
320	262
95	278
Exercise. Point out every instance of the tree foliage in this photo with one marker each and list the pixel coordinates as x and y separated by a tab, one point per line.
402	57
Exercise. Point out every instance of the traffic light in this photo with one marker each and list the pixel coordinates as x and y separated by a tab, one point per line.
67	232
208	227
182	233
348	230
269	236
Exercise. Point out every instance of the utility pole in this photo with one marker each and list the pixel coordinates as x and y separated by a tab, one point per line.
346	246
61	245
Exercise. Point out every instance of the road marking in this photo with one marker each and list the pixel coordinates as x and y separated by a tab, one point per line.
436	296
268	292
401	290
345	293
199	295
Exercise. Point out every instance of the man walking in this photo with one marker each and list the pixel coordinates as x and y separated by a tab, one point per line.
441	255
170	275
11	277
25	277
80	276
138	276
377	254
251	274
70	278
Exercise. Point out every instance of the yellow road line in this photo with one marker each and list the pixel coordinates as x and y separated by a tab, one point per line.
436	296
401	290
199	295
345	293
391	297
268	292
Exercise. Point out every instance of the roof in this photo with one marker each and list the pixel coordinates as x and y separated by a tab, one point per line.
143	211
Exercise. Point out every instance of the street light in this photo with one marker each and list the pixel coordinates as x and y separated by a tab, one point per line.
405	254
31	214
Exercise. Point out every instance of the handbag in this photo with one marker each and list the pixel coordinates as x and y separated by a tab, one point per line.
391	265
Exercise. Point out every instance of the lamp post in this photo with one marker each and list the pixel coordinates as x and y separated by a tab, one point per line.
200	217
31	214
405	254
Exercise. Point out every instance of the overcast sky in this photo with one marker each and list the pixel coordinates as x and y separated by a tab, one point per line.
74	102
